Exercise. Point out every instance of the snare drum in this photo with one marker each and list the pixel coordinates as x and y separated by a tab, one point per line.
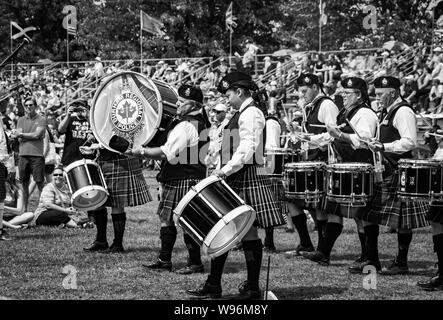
87	184
420	180
276	158
350	183
214	216
304	181
130	105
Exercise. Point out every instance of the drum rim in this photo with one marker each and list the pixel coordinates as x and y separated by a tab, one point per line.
305	165
350	165
99	204
99	90
80	162
406	163
230	216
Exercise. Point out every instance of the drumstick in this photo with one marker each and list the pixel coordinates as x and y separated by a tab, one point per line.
324	126
426	121
353	128
436	135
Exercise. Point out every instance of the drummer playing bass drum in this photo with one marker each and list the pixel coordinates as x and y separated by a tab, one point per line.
320	110
182	168
346	142
398	137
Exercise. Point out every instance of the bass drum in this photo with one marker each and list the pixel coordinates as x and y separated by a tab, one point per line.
134	107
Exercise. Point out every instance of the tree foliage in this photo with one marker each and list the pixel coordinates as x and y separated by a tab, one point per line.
111	28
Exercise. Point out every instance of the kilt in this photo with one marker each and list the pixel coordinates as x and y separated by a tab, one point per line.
388	209
345	210
302	204
435	213
172	192
256	190
279	193
126	185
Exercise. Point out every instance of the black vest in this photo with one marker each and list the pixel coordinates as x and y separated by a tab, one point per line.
344	149
231	141
388	133
312	118
189	164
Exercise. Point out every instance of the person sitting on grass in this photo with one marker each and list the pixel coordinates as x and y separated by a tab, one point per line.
14	216
54	207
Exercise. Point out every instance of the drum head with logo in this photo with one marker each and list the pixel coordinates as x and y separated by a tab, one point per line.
128	105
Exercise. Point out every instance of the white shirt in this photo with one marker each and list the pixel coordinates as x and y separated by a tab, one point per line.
250	126
273	132
406	124
216	138
365	123
183	135
327	114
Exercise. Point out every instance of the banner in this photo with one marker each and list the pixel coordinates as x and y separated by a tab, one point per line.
151	25
230	19
22	31
70	20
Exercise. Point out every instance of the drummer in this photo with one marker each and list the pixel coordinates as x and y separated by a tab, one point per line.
320	110
126	186
183	167
349	148
273	132
435	217
398	137
241	157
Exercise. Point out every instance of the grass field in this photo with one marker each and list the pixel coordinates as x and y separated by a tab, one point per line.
31	266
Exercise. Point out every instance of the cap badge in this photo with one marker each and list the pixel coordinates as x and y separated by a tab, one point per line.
384	81
188	92
225	84
307	80
350	83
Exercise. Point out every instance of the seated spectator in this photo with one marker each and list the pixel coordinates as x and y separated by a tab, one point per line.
434	95
54	207
14	216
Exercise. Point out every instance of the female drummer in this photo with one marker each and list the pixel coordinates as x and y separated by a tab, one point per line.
349	148
127	188
435	217
320	111
398	137
241	154
183	167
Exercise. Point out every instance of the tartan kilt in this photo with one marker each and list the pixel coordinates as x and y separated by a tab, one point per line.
279	193
389	210
302	204
435	213
172	192
126	185
345	210
255	189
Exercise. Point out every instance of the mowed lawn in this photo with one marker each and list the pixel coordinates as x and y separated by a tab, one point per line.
31	266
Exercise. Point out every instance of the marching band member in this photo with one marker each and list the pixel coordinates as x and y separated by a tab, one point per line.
181	169
350	149
241	154
273	132
435	217
398	137
126	186
320	110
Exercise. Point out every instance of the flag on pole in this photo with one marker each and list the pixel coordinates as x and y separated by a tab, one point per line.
151	25
21	31
323	16
230	19
70	20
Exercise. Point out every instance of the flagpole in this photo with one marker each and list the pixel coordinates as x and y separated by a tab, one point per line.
67	46
141	43
12	62
230	48
319	24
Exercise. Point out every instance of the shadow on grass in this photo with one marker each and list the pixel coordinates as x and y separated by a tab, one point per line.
306	293
48	235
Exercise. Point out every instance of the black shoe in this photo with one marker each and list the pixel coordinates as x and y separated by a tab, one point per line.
194	268
299	250
316	256
159	265
97	246
270	249
358	262
290	230
396	268
358	268
4	235
246	293
433	284
115	248
206	291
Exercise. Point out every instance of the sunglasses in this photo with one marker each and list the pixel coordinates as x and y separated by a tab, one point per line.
57	175
29	105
